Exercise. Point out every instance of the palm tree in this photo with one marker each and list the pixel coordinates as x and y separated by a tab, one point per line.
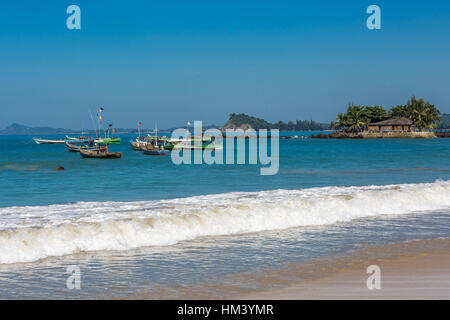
341	121
354	120
424	114
375	113
357	119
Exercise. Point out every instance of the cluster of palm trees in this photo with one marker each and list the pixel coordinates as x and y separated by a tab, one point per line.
424	115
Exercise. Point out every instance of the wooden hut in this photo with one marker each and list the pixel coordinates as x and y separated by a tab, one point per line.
394	124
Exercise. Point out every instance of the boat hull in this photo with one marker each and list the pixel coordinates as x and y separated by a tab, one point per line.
76	148
156	152
198	147
45	141
98	154
80	138
109	141
135	146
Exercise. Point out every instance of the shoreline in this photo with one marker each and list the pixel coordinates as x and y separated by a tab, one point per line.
412	270
369	135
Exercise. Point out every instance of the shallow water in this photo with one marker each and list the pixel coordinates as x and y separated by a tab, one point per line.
142	226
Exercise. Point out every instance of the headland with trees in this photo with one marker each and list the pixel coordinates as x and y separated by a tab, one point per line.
411	120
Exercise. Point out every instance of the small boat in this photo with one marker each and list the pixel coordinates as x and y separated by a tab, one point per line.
46	141
108	141
152	149
141	143
80	138
156	146
156	152
77	148
135	145
188	145
100	154
196	143
89	141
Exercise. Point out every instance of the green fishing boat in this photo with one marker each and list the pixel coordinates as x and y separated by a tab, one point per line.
196	143
164	141
109	141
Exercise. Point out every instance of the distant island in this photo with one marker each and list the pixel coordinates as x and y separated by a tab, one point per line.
235	121
244	121
20	129
416	119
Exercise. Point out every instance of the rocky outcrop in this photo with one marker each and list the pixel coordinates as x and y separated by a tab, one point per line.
376	135
244	126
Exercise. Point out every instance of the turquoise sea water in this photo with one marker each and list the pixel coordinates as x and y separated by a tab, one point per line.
28	175
142	225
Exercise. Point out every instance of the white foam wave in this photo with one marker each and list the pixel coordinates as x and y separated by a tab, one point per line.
32	233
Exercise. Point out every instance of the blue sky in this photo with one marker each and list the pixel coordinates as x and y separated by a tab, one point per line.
174	61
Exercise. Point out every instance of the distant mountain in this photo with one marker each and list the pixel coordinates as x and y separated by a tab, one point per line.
244	121
19	129
16	128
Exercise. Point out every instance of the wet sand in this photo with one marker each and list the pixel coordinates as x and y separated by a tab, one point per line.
413	270
409	270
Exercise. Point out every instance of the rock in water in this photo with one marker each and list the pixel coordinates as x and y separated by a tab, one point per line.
59	168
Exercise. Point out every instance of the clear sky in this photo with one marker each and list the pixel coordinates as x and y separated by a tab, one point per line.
174	61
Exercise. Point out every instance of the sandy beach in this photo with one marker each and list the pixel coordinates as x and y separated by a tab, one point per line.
409	270
414	270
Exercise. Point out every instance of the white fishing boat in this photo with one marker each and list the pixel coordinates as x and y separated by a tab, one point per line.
47	141
80	138
191	145
77	148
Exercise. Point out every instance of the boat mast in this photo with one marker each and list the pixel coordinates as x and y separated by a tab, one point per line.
93	124
99	119
156	134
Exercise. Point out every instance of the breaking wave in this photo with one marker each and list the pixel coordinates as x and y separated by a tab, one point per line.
32	233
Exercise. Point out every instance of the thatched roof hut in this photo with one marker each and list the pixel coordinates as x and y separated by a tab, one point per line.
393	124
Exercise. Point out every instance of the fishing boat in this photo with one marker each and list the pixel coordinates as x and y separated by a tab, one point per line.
77	148
87	141
140	143
202	142
163	141
82	138
100	154
156	152
135	145
46	141
152	148
155	145
108	140
167	145
196	143
189	146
